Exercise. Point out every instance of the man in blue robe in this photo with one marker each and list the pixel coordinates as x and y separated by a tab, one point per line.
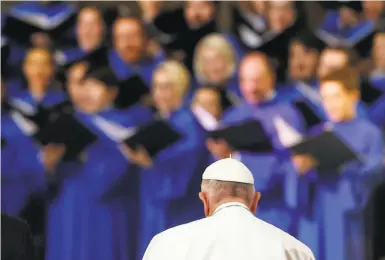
89	35
167	194
130	55
270	169
94	215
333	221
331	59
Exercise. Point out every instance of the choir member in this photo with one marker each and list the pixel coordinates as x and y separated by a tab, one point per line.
210	100
215	66
39	90
94	215
89	35
179	30
346	27
373	10
333	222
377	75
167	196
130	55
257	83
25	166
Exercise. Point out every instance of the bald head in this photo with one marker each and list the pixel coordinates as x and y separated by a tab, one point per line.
256	78
129	38
38	67
89	28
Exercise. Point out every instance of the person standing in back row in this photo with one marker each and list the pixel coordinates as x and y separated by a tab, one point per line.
230	230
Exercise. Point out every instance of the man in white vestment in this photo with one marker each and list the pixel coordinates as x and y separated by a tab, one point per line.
230	229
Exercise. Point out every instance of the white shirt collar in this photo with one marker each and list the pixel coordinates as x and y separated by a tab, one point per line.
224	206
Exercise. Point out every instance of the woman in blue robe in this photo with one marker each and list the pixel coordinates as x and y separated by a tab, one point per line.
94	216
215	65
167	195
334	203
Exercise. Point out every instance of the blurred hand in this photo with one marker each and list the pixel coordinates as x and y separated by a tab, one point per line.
219	148
304	163
51	155
150	9
138	156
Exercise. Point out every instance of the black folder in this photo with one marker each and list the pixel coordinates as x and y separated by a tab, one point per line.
154	137
310	117
248	136
131	91
328	149
67	130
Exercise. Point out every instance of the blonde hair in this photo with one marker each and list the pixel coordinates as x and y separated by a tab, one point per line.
178	74
220	43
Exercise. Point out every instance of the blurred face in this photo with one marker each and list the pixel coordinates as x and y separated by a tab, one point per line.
378	54
280	15
95	96
209	99
38	68
258	6
214	65
339	104
165	96
348	17
256	81
302	62
129	40
89	29
199	13
330	61
373	9
75	82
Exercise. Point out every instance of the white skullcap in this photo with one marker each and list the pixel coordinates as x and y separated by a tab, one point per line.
228	170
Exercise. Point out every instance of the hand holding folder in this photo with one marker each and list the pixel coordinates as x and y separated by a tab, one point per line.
152	138
330	151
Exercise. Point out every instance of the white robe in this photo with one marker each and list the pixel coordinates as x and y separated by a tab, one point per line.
233	232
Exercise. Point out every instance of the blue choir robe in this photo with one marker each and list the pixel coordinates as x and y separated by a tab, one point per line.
270	169
22	171
24	101
67	56
377	112
45	15
169	189
333	34
332	224
378	80
309	93
143	68
94	215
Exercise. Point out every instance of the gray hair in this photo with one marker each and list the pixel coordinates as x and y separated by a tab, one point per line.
219	190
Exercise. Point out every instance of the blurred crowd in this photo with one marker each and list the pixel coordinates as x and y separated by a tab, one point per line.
116	72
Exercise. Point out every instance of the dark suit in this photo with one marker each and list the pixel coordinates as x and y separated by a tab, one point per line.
16	240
